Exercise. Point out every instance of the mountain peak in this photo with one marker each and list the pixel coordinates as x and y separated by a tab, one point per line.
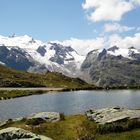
12	36
113	49
131	48
102	54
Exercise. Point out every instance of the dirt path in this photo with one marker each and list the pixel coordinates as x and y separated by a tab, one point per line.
38	88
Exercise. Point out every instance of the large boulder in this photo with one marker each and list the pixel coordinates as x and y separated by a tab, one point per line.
111	115
47	116
13	133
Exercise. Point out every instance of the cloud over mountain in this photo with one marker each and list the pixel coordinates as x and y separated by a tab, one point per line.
83	46
116	27
125	42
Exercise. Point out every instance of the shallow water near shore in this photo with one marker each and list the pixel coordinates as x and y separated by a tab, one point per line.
73	102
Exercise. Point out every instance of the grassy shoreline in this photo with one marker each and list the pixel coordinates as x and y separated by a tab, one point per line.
9	94
16	93
73	127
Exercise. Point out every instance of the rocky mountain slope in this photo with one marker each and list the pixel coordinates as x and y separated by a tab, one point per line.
25	53
113	67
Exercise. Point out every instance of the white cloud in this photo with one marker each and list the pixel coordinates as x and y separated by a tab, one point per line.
86	45
116	27
125	42
108	10
137	2
138	29
83	46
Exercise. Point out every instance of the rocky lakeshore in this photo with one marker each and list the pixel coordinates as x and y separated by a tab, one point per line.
95	124
12	133
111	115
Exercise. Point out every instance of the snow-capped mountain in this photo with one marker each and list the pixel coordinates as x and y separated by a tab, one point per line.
112	67
105	67
25	53
129	53
1	63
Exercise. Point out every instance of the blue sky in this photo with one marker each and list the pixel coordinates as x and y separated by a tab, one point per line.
65	19
44	19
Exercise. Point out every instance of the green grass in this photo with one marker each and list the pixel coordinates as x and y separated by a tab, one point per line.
8	94
130	135
62	130
14	78
72	128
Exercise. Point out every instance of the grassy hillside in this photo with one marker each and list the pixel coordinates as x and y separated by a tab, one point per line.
14	78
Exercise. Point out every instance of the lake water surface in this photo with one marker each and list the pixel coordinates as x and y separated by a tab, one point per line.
69	102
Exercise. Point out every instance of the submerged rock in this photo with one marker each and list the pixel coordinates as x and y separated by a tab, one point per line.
110	115
47	116
13	133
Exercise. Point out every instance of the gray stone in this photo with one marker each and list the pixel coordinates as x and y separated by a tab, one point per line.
110	115
48	116
41	50
3	123
17	119
13	133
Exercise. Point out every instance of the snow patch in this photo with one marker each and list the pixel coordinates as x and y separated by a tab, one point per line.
122	52
1	63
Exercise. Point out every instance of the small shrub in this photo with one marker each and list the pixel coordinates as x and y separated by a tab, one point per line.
107	128
62	116
34	121
119	126
40	129
134	124
23	120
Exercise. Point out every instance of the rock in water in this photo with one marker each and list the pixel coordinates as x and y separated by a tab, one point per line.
13	133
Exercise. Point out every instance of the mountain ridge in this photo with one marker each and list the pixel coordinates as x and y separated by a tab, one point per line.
114	66
49	56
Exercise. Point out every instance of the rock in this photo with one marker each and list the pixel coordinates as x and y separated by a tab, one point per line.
110	115
113	49
47	116
3	123
17	119
41	50
13	133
